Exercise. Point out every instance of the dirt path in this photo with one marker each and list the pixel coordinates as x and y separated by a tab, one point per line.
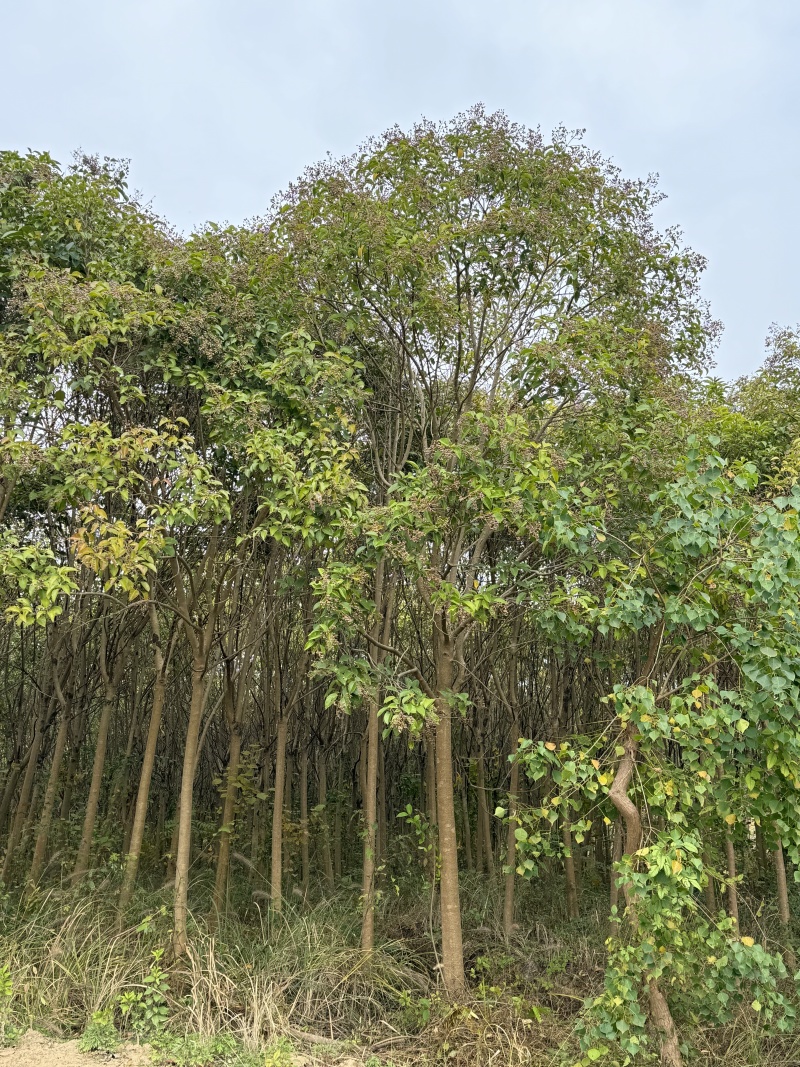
36	1050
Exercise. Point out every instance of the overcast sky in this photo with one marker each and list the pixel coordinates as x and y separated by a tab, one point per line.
219	104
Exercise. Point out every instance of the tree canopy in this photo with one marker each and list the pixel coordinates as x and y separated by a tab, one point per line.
397	538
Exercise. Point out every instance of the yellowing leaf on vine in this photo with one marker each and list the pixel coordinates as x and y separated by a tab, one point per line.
549	746
749	941
730	819
677	866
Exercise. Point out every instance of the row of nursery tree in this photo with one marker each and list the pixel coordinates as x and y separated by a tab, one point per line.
402	521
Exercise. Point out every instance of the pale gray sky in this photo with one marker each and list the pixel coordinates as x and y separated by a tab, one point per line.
218	105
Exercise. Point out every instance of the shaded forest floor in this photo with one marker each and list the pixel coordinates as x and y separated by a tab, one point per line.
259	990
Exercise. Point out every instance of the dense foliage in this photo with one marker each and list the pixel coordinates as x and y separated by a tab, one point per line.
396	539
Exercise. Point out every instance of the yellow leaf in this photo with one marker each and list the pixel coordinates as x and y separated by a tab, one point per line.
606	820
730	819
549	746
697	693
596	764
601	537
749	941
677	866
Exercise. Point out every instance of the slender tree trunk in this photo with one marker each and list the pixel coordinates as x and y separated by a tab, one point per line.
708	891
288	818
733	895
383	822
161	819
93	801
616	855
305	868
226	829
467	831
452	945
483	814
511	845
369	831
23	804
169	868
337	826
183	854
480	850
146	774
75	744
49	802
111	681
12	779
430	780
322	778
31	816
276	870
783	905
618	794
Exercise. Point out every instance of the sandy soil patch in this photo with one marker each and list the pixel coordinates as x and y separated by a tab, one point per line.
37	1050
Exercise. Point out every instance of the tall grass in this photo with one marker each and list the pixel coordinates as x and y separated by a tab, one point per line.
259	977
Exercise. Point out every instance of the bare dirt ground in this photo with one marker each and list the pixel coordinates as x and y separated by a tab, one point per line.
37	1050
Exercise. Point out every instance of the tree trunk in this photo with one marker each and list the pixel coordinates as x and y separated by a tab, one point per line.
467	830
783	905
337	826
93	801
452	945
305	871
226	829
511	845
49	802
616	855
183	853
383	822
369	831
322	801
23	804
276	869
708	890
662	1017
483	814
146	774
733	895
288	818
618	794
111	681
